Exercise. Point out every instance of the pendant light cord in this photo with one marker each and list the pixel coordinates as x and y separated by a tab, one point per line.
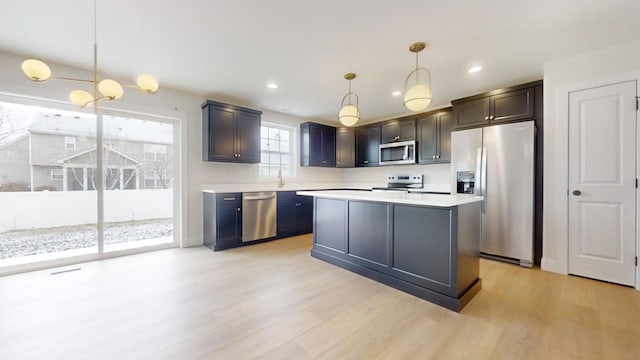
417	72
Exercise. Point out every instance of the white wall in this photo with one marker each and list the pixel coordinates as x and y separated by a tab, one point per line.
587	70
44	209
433	174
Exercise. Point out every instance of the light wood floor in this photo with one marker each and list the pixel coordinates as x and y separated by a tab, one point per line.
273	301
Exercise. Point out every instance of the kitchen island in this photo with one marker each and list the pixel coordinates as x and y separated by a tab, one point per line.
423	244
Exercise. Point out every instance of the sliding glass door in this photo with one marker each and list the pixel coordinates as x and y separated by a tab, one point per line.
50	196
139	180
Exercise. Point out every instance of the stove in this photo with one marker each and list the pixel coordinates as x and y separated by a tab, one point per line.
402	183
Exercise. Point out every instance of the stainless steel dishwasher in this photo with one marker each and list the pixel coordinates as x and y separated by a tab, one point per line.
258	215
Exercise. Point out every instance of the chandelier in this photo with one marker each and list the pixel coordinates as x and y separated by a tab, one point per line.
417	97
105	89
349	114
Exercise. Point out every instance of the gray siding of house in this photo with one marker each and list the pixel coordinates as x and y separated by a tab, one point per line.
14	163
49	149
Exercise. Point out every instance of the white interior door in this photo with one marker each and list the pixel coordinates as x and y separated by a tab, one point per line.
602	189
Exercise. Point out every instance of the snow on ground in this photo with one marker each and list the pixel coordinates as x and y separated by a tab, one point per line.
41	241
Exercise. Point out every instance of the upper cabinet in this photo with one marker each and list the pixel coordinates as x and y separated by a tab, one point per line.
368	146
434	137
345	147
317	145
504	105
230	133
403	129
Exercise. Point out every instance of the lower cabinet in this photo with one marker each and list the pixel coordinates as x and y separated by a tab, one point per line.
222	220
295	214
430	252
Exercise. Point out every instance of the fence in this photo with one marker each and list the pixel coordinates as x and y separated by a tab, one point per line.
43	209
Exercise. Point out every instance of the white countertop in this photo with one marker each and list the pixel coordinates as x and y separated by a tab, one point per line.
436	200
229	188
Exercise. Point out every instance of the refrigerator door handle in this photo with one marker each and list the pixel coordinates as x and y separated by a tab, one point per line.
478	191
483	177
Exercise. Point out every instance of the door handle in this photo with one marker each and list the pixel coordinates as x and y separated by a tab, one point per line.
254	198
577	192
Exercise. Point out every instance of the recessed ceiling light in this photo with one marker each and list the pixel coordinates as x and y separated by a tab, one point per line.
474	69
396	93
272	85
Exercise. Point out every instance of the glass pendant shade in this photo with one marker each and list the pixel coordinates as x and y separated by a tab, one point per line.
110	89
417	98
147	84
349	115
36	70
80	97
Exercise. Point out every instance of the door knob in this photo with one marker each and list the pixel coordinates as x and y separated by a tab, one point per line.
577	192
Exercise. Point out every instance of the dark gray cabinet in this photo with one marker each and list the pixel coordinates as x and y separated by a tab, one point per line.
368	146
317	145
434	137
294	214
430	252
345	147
222	220
230	133
403	129
504	105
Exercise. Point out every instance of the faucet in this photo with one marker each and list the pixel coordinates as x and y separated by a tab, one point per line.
280	178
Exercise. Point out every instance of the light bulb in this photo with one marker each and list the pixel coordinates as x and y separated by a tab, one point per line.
80	97
147	84
36	70
349	115
417	98
110	89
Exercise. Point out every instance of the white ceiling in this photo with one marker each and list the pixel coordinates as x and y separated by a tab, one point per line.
229	50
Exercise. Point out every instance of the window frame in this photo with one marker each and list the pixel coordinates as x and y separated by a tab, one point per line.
70	140
292	146
54	177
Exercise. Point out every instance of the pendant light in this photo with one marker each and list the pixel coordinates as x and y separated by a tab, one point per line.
349	113
418	96
107	89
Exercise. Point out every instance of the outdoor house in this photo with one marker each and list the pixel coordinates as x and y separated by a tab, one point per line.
61	155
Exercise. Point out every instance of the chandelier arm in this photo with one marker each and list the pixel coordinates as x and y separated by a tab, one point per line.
71	79
349	95
416	72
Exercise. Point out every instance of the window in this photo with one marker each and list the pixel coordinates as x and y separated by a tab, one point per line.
155	152
275	150
150	178
69	142
57	174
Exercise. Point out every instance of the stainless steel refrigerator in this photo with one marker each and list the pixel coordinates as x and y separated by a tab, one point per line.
497	162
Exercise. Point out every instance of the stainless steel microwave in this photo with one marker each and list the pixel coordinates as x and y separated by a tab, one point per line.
403	152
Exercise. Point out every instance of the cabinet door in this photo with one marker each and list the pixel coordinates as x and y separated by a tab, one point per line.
315	145
424	247
221	134
229	220
304	214
328	146
362	146
444	137
427	139
286	213
389	132
346	148
471	113
374	146
248	137
407	130
512	106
